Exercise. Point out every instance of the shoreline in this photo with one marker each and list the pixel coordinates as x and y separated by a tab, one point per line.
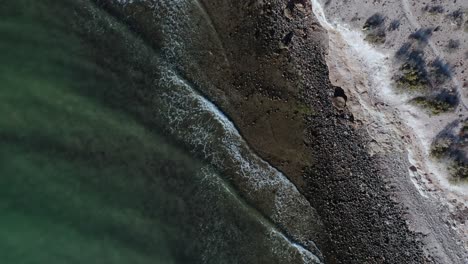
263	64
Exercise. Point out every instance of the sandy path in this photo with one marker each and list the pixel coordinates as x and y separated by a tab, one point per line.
362	71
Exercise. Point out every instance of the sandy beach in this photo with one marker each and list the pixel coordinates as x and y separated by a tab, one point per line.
374	94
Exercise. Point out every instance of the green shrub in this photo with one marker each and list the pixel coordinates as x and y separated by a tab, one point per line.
376	38
440	148
412	78
433	105
459	171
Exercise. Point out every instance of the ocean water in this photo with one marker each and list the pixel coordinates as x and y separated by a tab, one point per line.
102	161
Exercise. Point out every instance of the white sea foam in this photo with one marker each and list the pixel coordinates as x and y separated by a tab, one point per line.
193	119
281	245
216	135
200	125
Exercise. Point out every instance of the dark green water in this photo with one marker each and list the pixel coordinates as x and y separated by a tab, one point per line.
81	182
87	175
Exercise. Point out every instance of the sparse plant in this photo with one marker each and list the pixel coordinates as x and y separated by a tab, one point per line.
403	51
375	28
465	127
435	106
413	75
459	170
441	71
394	25
422	35
376	37
464	131
434	9
457	17
374	21
440	148
453	45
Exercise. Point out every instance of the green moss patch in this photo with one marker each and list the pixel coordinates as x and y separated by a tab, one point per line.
412	78
459	171
433	105
304	109
373	22
376	37
375	29
441	148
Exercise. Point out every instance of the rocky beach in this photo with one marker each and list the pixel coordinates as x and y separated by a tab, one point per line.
281	131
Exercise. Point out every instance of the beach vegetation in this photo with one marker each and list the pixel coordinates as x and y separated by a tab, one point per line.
376	37
440	71
422	35
435	106
374	21
403	51
457	17
459	171
453	45
434	9
440	148
375	28
412	77
394	25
